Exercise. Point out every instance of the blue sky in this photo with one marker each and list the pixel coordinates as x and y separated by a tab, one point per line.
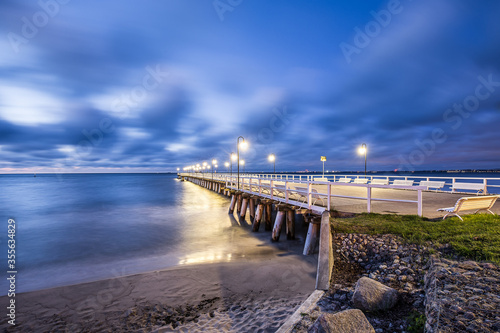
93	86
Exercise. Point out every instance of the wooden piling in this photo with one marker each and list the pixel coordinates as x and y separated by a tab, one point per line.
233	203
312	234
269	214
238	205
258	217
244	206
290	224
251	205
278	223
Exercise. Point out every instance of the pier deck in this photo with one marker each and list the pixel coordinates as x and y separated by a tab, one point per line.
350	198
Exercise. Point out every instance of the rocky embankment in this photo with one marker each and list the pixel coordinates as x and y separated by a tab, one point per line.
438	294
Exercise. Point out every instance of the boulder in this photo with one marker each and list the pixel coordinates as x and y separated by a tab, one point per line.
371	295
348	321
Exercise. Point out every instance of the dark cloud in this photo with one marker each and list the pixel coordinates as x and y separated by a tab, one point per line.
230	78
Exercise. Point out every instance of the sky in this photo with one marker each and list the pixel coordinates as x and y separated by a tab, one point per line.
150	86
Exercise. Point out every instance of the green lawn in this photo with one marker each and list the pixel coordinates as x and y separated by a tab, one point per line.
477	237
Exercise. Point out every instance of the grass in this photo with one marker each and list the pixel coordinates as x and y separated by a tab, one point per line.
476	238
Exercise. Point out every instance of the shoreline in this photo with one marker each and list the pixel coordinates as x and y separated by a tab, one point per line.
271	288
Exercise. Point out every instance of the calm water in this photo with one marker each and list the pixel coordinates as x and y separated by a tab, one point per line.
85	227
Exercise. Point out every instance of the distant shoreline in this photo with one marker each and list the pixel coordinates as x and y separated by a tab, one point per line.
266	172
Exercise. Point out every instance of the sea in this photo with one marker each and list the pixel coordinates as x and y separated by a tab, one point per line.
74	228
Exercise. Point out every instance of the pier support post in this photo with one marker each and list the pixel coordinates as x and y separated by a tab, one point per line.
244	206
278	223
258	217
233	203
269	215
290	224
312	234
240	201
251	205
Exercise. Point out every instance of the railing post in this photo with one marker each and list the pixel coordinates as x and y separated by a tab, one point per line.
260	186
369	198
485	182
329	191
286	191
420	203
309	195
271	189
453	185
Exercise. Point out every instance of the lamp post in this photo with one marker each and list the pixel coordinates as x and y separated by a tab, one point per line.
272	158
362	151
227	166
242	163
244	146
232	158
214	162
323	159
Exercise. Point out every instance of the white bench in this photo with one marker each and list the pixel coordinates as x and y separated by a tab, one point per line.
320	179
471	203
378	181
360	181
344	180
479	187
279	189
432	184
402	182
302	192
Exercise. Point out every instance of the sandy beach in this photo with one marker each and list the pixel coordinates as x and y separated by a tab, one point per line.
244	296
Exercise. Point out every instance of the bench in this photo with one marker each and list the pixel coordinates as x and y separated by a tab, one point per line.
471	203
402	182
360	181
378	181
320	179
432	184
279	189
302	192
469	186
344	180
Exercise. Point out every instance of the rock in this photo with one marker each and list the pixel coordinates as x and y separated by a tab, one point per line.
371	295
348	321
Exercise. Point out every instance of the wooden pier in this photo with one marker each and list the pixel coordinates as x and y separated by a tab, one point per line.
277	201
264	212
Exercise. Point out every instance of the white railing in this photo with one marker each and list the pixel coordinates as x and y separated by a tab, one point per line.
303	193
451	184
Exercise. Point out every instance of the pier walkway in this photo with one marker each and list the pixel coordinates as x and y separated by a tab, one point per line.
386	195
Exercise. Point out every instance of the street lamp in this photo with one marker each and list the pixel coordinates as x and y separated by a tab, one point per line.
214	162
362	151
323	159
232	158
227	166
242	163
243	145
272	158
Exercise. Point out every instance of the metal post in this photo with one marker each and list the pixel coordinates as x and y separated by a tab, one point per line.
420	203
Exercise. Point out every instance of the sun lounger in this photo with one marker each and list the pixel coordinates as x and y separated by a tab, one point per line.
360	181
344	180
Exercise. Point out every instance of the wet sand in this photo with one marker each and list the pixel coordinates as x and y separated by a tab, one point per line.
253	295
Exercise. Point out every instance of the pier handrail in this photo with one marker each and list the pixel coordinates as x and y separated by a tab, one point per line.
255	184
491	185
